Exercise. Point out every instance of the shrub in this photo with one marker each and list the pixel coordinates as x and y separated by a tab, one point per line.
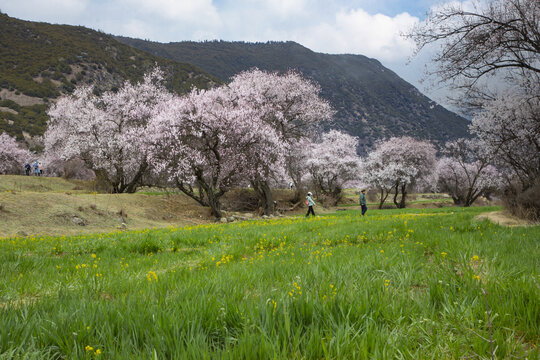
524	204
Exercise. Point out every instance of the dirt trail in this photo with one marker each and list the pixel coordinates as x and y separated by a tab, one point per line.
503	219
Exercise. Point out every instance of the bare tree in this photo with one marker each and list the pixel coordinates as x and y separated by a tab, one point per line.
487	38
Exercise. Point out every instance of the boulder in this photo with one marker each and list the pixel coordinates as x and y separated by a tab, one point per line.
122	226
78	221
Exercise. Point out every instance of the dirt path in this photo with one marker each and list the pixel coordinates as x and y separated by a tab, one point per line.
504	219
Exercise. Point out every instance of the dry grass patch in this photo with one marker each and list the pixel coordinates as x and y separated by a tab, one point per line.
504	219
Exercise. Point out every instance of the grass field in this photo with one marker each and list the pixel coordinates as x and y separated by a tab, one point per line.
402	284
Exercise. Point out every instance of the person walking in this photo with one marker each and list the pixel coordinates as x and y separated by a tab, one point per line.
310	203
40	165
36	169
27	168
363	202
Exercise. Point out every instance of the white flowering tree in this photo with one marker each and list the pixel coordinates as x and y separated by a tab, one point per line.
109	132
206	142
288	103
465	172
12	155
509	128
396	164
332	163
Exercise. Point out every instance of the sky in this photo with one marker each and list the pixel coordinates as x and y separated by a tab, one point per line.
368	27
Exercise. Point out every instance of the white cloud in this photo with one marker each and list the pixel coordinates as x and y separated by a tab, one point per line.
199	12
285	8
39	10
357	32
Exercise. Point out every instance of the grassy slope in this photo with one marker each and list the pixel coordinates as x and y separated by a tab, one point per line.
41	205
395	284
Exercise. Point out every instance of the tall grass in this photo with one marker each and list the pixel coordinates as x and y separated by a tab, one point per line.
403	284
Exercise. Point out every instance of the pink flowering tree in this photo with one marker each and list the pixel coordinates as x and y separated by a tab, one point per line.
109	132
12	156
397	164
289	104
465	172
206	143
332	163
297	154
465	182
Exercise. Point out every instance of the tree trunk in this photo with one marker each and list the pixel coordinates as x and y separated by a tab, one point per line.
396	195
214	203
135	183
401	204
383	198
403	196
264	194
207	195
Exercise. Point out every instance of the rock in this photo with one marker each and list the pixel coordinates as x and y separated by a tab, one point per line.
78	221
22	233
231	219
265	217
122	226
248	215
223	219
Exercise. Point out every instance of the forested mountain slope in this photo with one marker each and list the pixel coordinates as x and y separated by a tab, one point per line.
41	61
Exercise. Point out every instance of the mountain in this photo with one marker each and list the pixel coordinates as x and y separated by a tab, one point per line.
40	61
372	102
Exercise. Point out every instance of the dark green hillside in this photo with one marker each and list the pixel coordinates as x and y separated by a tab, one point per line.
372	101
40	61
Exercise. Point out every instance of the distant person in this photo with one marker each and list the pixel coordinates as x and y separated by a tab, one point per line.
36	169
27	168
40	169
291	184
363	202
310	203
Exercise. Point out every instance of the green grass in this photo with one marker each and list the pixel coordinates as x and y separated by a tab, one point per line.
403	284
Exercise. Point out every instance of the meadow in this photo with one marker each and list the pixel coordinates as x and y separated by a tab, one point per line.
396	284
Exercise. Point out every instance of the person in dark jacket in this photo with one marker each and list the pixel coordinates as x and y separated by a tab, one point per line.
363	202
310	203
27	168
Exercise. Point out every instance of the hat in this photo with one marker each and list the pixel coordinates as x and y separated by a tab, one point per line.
309	193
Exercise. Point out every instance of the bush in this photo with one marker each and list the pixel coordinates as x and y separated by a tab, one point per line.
523	203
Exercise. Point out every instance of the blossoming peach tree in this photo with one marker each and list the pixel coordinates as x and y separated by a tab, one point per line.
333	162
396	165
465	172
292	107
12	156
204	142
109	132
